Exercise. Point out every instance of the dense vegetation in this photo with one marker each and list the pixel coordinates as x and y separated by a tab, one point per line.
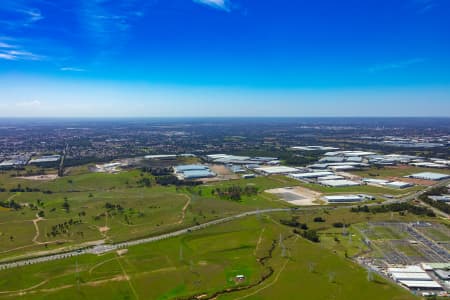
395	207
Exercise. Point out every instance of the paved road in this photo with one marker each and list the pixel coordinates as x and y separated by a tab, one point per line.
111	247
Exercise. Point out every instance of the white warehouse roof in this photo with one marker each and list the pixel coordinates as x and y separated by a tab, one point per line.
430	176
311	174
399	184
422	276
338	183
421	284
277	170
343	198
407	269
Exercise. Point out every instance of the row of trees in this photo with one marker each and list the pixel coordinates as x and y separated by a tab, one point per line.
395	207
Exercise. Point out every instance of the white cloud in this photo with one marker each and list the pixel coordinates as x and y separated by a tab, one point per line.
396	65
18	55
34	103
218	4
72	69
7	56
6	45
15	52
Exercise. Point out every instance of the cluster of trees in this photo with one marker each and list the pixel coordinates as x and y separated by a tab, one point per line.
395	207
173	180
144	182
157	171
10	204
235	192
63	228
442	206
117	207
340	225
319	220
294	223
66	205
309	235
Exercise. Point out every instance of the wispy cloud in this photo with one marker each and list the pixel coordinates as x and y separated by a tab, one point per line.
217	4
106	20
33	103
19	14
396	65
424	6
14	53
72	69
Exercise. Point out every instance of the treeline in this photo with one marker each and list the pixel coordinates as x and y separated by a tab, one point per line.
20	189
235	192
395	207
173	180
155	171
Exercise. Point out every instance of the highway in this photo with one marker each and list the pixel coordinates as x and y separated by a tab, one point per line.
99	249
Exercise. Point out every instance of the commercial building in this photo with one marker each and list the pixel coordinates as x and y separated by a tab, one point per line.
338	183
414	277
417	276
45	160
276	170
193	172
343	199
422	285
314	148
442	198
375	181
429	165
429	176
184	168
240	160
443	274
310	175
349	153
161	156
398	184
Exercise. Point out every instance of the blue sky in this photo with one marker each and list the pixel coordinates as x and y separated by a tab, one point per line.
224	58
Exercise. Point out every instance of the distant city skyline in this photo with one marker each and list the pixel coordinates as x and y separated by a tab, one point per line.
194	58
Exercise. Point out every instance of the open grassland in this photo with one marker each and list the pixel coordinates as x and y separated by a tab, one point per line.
401	171
88	207
364	189
206	263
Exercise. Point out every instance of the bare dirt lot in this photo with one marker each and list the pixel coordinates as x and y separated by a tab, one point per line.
41	177
298	196
223	173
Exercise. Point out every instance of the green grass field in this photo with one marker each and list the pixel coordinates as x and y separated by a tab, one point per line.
207	264
364	189
396	171
144	211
